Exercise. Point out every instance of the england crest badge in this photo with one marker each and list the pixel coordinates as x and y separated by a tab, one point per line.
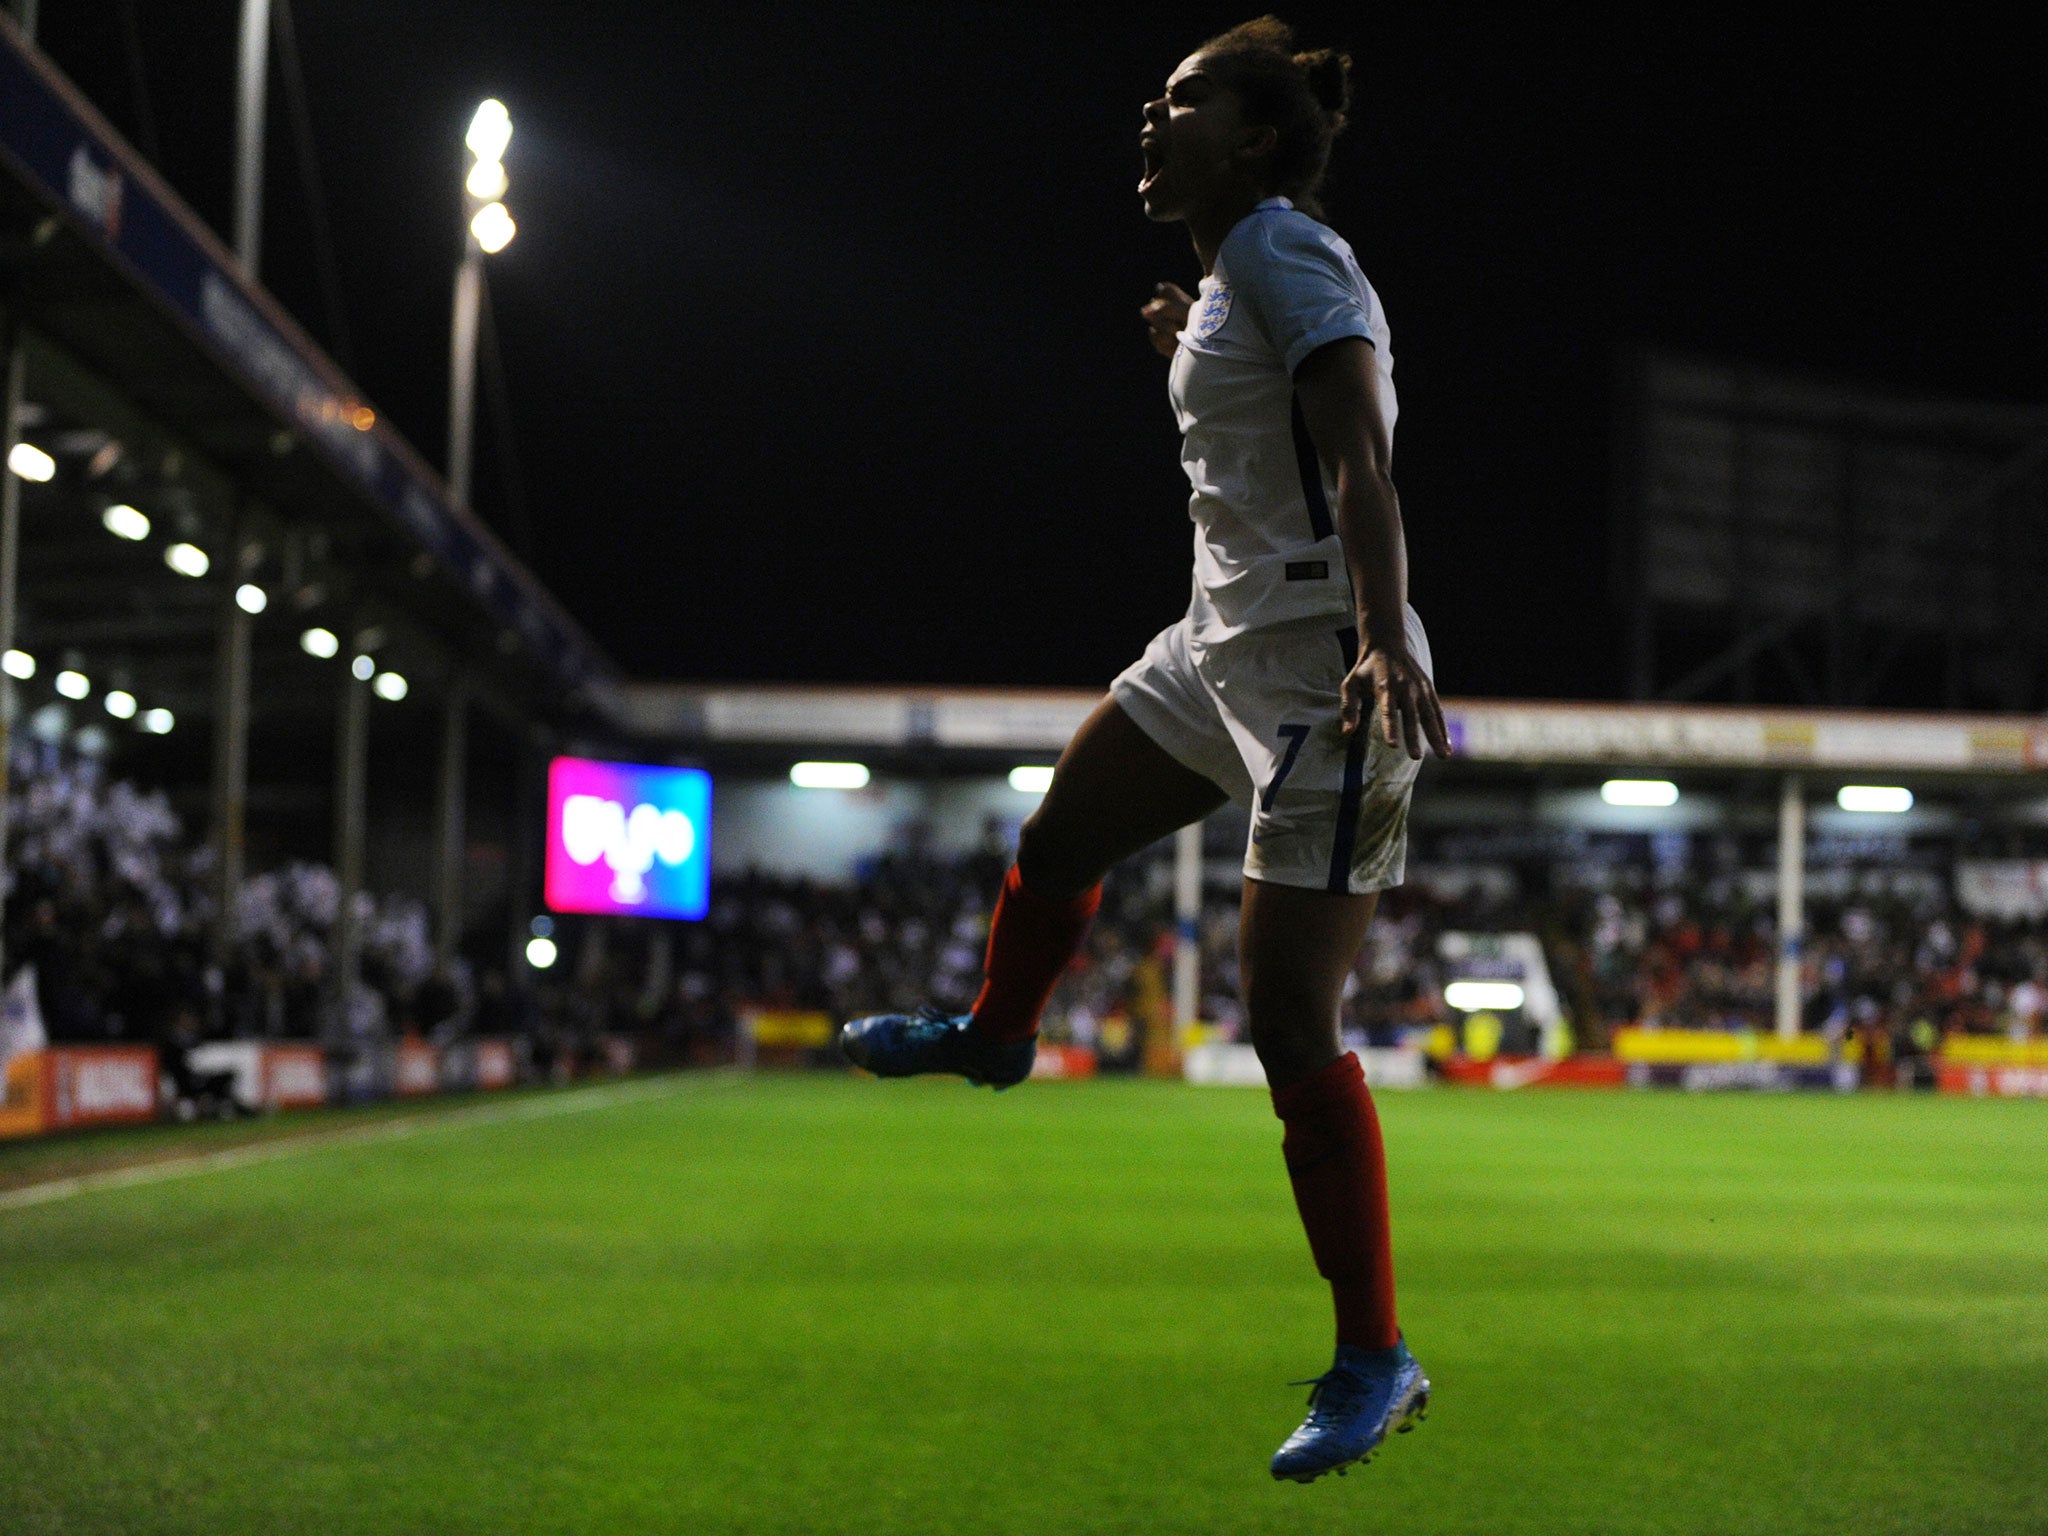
1210	313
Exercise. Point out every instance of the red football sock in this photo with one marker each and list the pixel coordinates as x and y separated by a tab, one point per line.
1339	1169
1030	941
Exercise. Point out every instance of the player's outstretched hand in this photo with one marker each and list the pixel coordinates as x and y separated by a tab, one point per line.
1166	316
1398	693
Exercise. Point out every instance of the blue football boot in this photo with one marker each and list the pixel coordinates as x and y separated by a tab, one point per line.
908	1044
1365	1395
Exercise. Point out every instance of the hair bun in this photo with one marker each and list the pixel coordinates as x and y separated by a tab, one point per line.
1329	77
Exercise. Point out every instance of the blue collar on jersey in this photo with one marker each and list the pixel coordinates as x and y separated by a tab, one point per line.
1267	205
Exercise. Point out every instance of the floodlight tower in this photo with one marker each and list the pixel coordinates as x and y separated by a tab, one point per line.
490	230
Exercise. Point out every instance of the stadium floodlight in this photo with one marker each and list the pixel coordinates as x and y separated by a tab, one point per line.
120	704
31	463
362	669
1472	996
493	227
1639	792
125	522
1031	779
542	927
158	722
389	686
251	598
323	643
490	130
73	685
540	953
1881	799
187	560
829	775
487	181
18	665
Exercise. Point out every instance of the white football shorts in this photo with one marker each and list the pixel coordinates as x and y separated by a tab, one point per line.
1258	715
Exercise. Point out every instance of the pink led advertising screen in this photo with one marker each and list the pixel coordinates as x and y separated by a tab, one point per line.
628	838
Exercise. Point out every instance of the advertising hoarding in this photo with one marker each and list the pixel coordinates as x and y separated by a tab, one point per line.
628	838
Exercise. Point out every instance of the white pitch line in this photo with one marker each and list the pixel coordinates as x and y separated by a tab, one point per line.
568	1103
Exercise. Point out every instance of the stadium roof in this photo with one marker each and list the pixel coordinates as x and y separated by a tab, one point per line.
1502	731
162	375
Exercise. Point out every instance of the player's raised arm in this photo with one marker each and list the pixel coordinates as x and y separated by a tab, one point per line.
1338	387
1165	317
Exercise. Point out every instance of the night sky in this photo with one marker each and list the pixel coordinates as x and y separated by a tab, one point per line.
820	334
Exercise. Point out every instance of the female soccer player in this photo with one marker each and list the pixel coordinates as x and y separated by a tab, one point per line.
1298	684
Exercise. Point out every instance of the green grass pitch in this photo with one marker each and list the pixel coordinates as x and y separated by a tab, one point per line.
822	1305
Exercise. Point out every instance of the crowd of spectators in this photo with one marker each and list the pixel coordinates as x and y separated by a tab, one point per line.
111	902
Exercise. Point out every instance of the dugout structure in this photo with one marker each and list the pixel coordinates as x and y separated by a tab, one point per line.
144	369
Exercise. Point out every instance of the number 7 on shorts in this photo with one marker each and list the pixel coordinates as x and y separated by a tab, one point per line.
1294	736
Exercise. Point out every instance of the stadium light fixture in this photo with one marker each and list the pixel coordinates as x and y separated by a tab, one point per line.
1881	799
490	130
120	704
362	669
487	181
18	665
540	953
389	686
31	463
251	598
158	722
1031	779
125	522
323	643
73	685
187	560
829	775
1472	996
493	227
1639	792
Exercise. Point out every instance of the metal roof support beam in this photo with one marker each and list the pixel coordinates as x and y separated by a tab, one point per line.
230	788
1791	903
13	380
351	763
450	835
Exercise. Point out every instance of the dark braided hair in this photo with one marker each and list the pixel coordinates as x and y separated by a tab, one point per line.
1301	96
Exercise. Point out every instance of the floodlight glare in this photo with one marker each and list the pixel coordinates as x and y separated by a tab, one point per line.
30	462
251	598
187	560
125	522
1471	996
158	722
389	686
362	669
1031	780
1639	792
540	953
487	180
73	685
829	775
121	704
18	664
320	642
1883	799
493	228
490	130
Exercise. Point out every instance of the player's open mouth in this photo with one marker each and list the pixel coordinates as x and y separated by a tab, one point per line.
1155	161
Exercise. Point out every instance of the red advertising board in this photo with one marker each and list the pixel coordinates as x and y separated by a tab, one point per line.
1993	1082
98	1085
418	1069
1063	1061
1536	1072
294	1076
495	1067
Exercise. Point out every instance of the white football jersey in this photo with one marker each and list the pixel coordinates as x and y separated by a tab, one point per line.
1266	551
